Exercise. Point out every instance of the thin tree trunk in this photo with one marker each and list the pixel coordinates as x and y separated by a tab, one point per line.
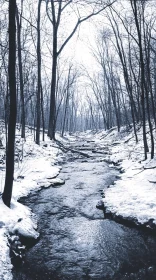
66	103
52	122
7	194
39	75
42	109
20	67
134	8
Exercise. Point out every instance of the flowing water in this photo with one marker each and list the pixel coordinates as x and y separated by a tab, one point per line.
76	242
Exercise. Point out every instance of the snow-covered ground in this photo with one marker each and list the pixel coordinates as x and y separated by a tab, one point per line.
34	168
133	196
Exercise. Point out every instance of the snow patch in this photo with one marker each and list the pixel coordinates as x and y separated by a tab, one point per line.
34	168
133	196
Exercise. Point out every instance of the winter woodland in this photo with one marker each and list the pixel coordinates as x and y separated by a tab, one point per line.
77	87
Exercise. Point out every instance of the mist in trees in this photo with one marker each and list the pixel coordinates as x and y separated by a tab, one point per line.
53	92
125	83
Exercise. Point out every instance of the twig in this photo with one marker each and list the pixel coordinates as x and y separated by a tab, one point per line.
149	167
145	168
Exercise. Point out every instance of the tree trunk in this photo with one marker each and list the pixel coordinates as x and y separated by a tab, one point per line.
20	74
134	8
39	76
52	122
7	194
66	103
42	109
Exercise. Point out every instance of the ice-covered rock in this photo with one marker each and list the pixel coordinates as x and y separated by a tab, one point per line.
25	228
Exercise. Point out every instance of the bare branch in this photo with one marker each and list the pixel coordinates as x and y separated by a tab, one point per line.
79	22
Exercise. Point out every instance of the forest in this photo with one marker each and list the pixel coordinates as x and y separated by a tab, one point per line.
121	90
73	67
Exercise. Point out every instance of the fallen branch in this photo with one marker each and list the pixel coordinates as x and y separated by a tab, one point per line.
143	169
113	128
152	167
137	131
71	150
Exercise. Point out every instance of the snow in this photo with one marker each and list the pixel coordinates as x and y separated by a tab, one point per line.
34	168
133	196
5	262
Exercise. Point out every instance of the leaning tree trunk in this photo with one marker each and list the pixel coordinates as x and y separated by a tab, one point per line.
7	194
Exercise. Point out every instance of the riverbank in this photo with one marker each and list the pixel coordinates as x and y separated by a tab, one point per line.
34	168
133	196
76	241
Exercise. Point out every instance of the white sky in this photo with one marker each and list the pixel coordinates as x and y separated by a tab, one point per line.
78	49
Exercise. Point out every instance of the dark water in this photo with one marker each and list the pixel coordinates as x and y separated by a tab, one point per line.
76	242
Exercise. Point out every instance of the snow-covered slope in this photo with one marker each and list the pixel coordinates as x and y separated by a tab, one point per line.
133	196
34	168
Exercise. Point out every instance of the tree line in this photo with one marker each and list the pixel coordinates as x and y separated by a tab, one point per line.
22	88
41	89
125	85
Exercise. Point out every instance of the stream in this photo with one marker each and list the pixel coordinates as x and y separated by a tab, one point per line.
76	242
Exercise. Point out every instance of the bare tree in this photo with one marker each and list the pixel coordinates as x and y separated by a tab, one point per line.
19	27
7	194
138	12
55	13
39	86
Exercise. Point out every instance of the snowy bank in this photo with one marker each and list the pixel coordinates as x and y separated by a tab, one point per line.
34	168
133	195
